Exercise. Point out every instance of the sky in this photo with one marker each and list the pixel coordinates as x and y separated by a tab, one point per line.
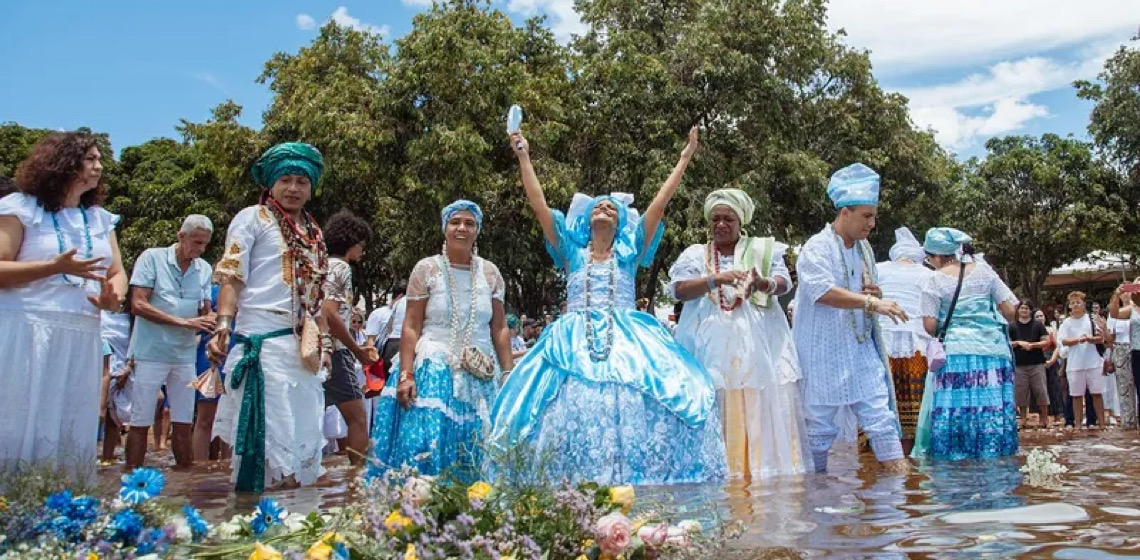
972	69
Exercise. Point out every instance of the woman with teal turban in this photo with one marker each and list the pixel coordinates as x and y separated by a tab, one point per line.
968	407
606	392
273	269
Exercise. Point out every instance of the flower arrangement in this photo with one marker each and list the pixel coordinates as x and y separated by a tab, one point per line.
1041	467
398	514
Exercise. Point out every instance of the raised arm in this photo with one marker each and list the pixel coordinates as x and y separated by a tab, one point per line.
1117	311
656	210
534	189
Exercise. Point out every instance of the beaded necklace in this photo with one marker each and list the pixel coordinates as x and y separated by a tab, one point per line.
600	354
848	273
455	327
62	248
712	258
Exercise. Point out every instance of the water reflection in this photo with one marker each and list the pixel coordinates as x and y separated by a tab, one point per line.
942	510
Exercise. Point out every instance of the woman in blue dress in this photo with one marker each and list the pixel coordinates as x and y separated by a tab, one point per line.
607	394
968	409
434	414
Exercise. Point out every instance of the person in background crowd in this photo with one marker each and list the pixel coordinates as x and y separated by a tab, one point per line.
972	411
530	332
115	330
518	345
1054	373
206	446
7	186
1126	330
901	280
345	236
170	300
59	266
385	328
272	275
1029	339
1080	334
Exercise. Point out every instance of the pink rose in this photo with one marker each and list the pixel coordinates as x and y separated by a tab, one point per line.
653	536
679	537
614	533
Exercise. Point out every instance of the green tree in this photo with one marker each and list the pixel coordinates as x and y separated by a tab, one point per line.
1034	204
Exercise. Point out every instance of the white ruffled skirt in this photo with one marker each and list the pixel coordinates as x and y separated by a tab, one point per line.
50	370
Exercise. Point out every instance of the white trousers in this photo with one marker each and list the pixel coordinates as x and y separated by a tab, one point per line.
874	416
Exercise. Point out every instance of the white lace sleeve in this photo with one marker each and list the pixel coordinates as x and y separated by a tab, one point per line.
419	283
690	265
930	302
779	265
999	291
817	270
494	280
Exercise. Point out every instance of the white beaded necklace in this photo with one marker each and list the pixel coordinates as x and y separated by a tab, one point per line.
603	353
454	305
848	272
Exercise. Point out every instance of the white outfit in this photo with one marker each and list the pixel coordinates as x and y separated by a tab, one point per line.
377	320
294	397
840	370
116	332
1084	367
51	353
902	283
749	353
149	378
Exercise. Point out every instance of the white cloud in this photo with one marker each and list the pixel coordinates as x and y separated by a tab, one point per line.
341	17
904	35
564	21
210	80
417	3
1002	93
305	22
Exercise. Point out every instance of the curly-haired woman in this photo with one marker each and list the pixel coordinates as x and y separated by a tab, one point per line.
59	266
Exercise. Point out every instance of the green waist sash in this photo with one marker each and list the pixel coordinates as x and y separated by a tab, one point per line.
250	441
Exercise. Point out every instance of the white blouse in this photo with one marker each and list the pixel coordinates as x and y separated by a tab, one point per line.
254	246
42	242
902	283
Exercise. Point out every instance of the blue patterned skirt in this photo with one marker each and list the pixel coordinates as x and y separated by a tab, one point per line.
971	413
437	434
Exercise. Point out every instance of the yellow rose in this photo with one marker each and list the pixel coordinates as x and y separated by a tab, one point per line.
622	496
478	491
396	521
319	551
587	544
263	552
92	556
410	553
581	557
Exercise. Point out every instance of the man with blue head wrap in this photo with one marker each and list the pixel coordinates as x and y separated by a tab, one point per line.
901	280
839	342
274	269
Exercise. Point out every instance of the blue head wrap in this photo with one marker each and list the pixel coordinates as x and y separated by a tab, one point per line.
512	321
290	158
944	241
459	206
626	239
854	185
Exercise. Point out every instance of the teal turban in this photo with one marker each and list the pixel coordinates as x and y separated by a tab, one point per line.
944	241
289	158
512	321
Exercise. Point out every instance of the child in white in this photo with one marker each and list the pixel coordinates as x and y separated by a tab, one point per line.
1085	366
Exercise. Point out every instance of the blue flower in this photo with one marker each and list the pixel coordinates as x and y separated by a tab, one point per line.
267	514
126	526
60	501
65	528
341	551
141	485
84	509
198	526
153	540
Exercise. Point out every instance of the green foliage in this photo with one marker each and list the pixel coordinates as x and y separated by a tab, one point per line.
408	126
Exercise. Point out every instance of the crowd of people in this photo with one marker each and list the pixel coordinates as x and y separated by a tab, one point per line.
267	359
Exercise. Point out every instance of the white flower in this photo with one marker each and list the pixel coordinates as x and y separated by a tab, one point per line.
182	529
294	522
230	529
690	526
147	557
417	489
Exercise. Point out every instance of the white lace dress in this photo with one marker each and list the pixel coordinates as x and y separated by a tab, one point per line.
446	425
